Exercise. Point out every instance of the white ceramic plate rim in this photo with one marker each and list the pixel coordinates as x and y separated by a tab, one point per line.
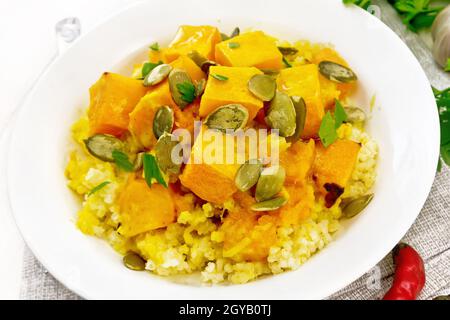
14	173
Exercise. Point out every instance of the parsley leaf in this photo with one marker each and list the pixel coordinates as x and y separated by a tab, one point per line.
148	67
122	161
233	45
447	67
327	131
98	188
151	170
416	14
443	104
187	91
339	114
219	77
287	63
360	3
155	46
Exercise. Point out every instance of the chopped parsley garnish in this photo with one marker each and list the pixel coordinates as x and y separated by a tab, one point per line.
233	45
339	114
155	46
287	63
187	91
416	14
327	130
151	170
122	161
98	188
148	67
219	77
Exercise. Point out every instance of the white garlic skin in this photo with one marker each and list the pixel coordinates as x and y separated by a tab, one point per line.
441	35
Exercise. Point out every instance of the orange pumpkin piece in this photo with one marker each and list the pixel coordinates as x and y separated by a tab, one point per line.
248	235
143	208
300	203
255	49
141	119
304	81
333	167
297	161
112	98
202	39
234	90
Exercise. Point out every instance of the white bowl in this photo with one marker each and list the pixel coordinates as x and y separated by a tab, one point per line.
404	122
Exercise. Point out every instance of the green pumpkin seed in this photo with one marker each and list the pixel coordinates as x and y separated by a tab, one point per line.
179	77
262	86
134	261
228	117
200	86
201	61
248	174
288	51
224	36
236	31
281	114
269	205
352	207
163	121
336	72
355	115
270	183
300	118
163	153
102	146
158	74
138	162
270	72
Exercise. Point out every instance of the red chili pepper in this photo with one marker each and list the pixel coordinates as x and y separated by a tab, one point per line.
409	278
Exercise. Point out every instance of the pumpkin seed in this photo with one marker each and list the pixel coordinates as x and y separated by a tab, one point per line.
134	261
355	115
269	205
270	72
281	114
300	118
336	72
158	74
248	174
262	86
224	36
269	183
200	86
163	121
288	51
138	162
179	77
163	153
102	146
228	117
442	298
201	61
236	31
352	207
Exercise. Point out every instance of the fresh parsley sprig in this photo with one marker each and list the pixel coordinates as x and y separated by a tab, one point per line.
148	67
151	170
416	14
187	91
329	125
122	161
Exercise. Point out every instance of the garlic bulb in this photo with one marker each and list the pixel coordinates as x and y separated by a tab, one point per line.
441	37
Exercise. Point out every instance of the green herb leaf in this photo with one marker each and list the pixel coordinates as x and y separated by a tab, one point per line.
148	67
151	170
155	46
187	91
447	67
233	45
416	14
443	104
339	114
219	77
327	130
360	3
98	188
122	161
287	63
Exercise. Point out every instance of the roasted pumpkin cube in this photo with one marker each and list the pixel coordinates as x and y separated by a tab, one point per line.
141	119
112	98
234	90
255	49
202	39
143	208
212	179
248	236
298	208
333	167
304	81
297	161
